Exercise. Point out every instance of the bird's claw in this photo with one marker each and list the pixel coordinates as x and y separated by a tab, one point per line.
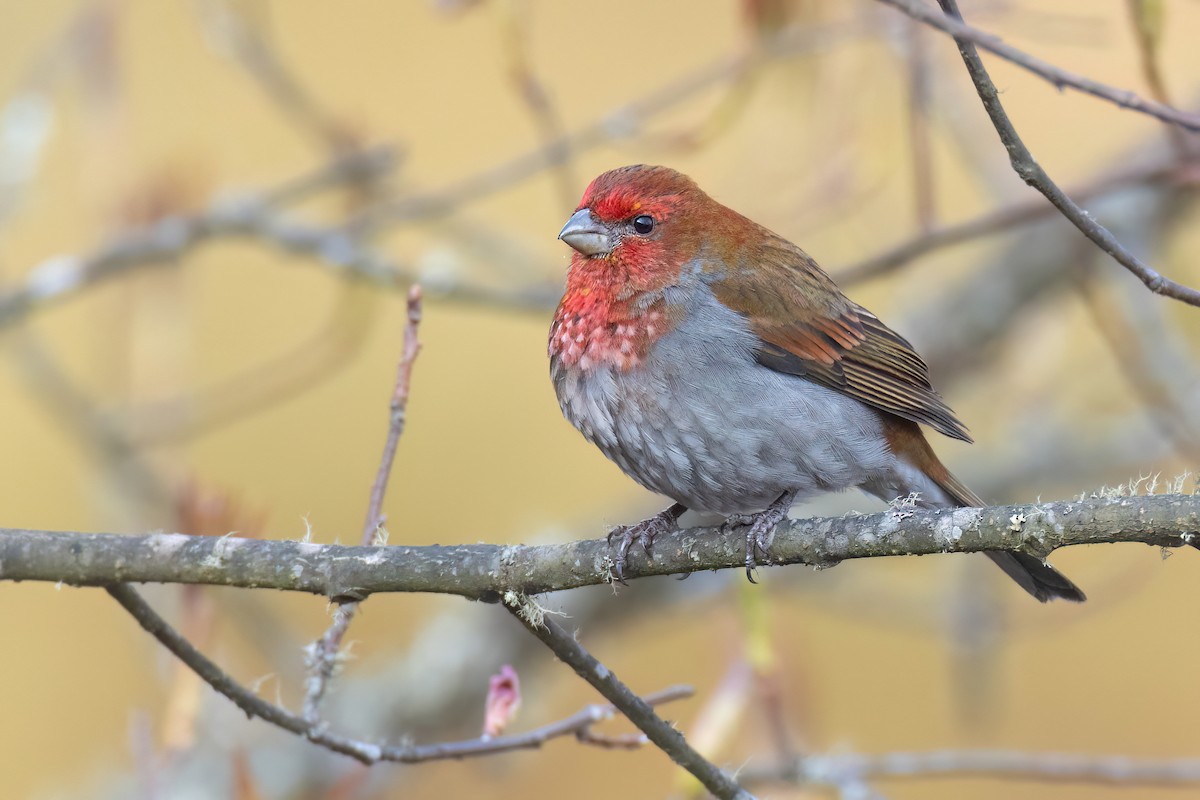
758	540
734	521
643	533
761	531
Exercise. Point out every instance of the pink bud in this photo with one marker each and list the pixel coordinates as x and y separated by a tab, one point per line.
503	700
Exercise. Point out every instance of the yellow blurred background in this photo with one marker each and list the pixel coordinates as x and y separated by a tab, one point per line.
263	378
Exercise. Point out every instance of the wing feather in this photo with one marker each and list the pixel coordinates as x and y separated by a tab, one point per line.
807	327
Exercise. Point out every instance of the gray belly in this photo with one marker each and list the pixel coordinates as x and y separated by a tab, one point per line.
701	422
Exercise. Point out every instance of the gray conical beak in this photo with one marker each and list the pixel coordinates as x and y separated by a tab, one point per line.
586	235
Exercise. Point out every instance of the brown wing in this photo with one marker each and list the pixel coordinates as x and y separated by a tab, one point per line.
807	327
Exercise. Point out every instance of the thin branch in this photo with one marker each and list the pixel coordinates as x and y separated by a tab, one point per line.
657	730
514	21
920	140
622	123
1146	18
246	42
322	656
486	571
1032	173
366	752
398	415
1156	367
1003	764
997	221
340	246
170	238
317	358
1061	78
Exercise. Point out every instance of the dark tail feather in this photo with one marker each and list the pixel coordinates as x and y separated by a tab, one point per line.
1034	575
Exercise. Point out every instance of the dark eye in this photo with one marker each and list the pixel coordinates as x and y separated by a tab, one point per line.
643	224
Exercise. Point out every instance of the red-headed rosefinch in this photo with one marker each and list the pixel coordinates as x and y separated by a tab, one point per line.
718	365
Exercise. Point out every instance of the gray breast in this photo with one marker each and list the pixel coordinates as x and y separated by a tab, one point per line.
699	421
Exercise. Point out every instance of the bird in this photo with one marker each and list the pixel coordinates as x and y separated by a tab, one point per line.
717	364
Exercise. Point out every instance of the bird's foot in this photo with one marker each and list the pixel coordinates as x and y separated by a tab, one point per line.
735	521
643	533
762	530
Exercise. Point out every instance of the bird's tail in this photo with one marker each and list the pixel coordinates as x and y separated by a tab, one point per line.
1034	575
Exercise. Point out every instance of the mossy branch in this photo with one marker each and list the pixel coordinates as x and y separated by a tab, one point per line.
486	571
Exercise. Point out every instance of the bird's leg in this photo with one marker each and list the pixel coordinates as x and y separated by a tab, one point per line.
643	533
762	527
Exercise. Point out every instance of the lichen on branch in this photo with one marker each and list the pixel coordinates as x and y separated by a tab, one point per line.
486	571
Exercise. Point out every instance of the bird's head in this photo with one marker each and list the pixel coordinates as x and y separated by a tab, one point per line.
633	233
637	224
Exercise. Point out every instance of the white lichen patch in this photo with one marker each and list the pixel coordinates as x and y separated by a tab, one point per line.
375	558
308	530
1050	520
902	508
1016	522
167	544
950	527
1146	485
527	609
222	549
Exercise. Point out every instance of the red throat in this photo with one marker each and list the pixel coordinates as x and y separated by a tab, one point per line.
604	320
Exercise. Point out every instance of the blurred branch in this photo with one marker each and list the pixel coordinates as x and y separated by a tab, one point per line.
841	769
322	656
637	710
246	42
250	217
318	357
366	752
1032	173
1146	17
1001	220
969	37
920	140
483	571
1156	366
340	246
621	123
514	30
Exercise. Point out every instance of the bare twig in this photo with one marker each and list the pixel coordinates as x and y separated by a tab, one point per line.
322	656
247	42
920	140
1033	174
341	247
621	123
366	752
1156	367
637	710
514	30
486	571
316	358
1146	17
997	221
838	769
398	416
968	36
170	238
